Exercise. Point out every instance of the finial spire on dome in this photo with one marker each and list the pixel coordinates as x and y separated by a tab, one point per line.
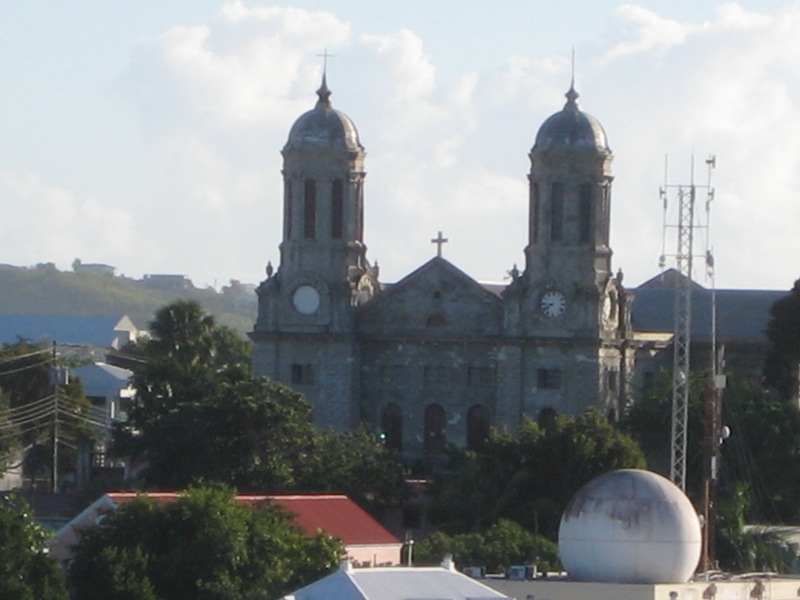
324	92
571	95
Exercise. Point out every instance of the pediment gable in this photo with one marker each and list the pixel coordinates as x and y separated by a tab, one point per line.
436	298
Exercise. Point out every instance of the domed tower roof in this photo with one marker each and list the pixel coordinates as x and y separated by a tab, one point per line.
571	129
324	127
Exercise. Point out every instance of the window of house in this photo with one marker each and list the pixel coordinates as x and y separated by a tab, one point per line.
302	373
548	379
557	213
310	209
337	209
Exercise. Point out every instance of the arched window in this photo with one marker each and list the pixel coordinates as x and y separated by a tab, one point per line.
310	209
557	213
585	213
477	426
435	440
392	426
288	215
360	211
337	209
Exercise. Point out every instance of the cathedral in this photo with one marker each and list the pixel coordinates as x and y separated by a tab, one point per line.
439	358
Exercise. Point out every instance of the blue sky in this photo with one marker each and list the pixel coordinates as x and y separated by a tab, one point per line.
147	135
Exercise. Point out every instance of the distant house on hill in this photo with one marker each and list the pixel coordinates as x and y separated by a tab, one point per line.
112	331
93	268
167	282
365	540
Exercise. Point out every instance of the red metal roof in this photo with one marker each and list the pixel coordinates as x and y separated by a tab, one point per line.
335	514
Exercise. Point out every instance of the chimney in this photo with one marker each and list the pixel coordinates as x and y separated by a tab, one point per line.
447	563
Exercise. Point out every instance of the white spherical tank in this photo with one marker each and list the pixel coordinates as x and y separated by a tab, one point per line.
630	526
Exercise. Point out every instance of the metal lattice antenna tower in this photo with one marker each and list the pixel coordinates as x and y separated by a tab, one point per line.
684	226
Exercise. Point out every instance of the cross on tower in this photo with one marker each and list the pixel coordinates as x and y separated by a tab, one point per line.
439	240
325	56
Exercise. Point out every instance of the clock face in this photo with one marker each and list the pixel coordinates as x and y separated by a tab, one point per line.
306	300
553	304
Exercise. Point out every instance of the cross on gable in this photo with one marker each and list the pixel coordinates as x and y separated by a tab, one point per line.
439	240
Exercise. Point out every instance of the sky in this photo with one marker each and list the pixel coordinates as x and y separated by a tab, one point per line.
147	135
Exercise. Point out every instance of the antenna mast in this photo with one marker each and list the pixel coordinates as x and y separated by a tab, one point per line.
683	228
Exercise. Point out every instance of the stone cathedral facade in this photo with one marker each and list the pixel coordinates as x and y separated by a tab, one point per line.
438	357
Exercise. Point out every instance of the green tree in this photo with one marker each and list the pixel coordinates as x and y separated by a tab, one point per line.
200	416
531	479
502	545
354	463
783	356
649	422
26	571
762	455
203	546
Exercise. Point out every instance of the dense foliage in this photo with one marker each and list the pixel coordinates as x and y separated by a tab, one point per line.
502	545
199	415
649	422
531	478
26	571
783	333
760	462
203	546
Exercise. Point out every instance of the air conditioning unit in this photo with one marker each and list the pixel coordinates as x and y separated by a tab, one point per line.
517	572
475	572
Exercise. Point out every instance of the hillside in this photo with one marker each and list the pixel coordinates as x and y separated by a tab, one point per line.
43	289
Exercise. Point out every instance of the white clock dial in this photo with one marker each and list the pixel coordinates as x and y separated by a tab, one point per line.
306	300
553	304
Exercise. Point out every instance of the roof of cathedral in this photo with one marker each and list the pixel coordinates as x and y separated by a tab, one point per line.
324	126
571	129
741	314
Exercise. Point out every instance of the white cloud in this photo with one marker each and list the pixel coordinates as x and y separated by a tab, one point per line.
447	149
58	223
650	31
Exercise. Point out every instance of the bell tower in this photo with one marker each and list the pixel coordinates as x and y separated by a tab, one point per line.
566	308
323	181
568	258
306	309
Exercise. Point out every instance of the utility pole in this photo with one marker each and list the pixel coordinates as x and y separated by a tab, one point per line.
59	376
55	372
